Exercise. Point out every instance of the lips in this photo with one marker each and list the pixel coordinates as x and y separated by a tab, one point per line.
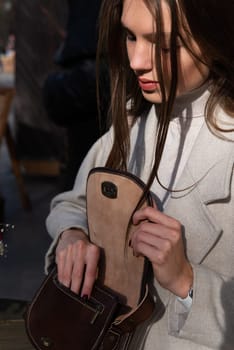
148	85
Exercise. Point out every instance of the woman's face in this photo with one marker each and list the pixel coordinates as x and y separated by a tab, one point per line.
140	26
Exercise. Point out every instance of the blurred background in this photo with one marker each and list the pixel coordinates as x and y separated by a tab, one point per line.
31	157
32	154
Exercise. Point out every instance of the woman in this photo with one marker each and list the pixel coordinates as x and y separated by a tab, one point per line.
174	68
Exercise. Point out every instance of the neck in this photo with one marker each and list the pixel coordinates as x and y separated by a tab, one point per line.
192	103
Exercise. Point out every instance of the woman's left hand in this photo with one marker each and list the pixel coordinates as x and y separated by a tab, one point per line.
159	238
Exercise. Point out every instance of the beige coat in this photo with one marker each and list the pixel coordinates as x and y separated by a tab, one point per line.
206	211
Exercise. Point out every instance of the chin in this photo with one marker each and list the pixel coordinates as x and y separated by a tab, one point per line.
153	97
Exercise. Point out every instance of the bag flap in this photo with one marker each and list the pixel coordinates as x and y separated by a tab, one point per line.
111	200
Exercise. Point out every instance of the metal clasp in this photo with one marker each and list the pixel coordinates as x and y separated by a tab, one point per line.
46	341
109	189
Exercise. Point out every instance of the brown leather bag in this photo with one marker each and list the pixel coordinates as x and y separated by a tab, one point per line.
59	319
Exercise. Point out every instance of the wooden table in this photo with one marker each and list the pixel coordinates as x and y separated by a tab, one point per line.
13	336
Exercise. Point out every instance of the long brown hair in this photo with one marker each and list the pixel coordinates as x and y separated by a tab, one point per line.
124	86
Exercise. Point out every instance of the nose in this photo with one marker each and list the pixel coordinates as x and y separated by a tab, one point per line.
141	57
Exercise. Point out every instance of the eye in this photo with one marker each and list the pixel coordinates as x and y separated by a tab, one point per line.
129	35
167	48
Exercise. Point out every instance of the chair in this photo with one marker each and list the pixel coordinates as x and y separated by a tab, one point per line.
6	97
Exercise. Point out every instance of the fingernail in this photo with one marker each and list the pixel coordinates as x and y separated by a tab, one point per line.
85	297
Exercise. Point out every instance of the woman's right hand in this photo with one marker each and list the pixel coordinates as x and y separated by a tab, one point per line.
77	261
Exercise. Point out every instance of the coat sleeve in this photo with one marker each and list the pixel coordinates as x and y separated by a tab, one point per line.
210	320
68	209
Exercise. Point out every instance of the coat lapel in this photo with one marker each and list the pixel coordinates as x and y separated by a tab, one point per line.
205	179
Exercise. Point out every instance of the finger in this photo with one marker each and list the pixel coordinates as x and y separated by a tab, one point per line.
93	255
144	249
150	240
157	253
78	269
155	230
156	216
60	259
65	266
143	214
147	234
